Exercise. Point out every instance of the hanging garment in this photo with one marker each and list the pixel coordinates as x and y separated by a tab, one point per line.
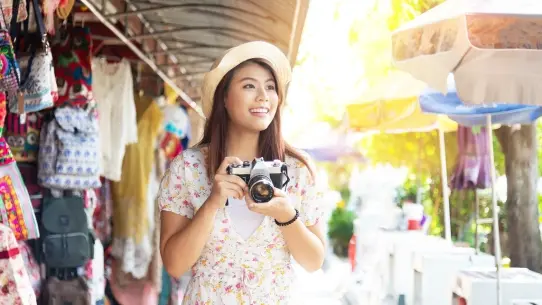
114	95
15	286
133	211
73	71
32	267
144	291
103	212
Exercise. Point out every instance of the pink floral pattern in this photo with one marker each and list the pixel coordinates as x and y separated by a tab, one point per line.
232	270
15	286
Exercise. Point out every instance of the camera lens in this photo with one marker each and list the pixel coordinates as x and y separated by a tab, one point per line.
261	189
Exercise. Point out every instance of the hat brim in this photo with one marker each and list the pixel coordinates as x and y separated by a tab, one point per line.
267	52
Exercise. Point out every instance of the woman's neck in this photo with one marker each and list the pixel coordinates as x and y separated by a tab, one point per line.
242	144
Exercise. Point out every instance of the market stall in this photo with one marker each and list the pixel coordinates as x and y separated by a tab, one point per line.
447	39
98	97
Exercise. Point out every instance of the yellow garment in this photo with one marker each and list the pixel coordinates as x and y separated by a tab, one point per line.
130	194
171	95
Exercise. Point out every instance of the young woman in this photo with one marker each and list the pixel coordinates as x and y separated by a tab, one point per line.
240	253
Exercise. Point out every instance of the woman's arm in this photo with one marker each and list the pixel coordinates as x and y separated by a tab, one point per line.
304	237
184	232
182	239
305	243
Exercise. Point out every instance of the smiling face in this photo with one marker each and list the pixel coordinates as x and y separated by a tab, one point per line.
251	99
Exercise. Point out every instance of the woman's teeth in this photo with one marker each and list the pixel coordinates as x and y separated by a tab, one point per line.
259	110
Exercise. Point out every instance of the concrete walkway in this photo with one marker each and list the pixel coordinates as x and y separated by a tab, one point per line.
322	287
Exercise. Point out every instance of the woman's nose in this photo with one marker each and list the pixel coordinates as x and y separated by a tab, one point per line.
262	95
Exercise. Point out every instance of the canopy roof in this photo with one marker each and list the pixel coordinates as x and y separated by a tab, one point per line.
183	38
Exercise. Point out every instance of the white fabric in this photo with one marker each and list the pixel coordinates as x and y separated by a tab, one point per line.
245	222
97	281
114	94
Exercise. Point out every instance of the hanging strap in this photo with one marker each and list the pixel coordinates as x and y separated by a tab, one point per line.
41	26
14	26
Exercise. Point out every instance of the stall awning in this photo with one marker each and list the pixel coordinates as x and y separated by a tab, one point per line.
182	39
392	107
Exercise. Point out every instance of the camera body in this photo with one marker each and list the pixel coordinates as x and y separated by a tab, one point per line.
261	177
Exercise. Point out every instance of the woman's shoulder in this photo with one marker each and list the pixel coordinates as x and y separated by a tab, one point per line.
191	157
300	165
193	154
298	158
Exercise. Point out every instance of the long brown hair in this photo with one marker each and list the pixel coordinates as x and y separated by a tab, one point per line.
271	144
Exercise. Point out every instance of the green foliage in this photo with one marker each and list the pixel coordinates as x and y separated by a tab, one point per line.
341	228
406	10
409	190
417	151
339	174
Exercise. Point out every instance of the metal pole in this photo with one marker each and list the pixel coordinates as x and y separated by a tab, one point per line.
142	56
495	208
444	181
476	220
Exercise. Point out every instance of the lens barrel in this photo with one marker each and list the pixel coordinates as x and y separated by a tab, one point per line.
261	189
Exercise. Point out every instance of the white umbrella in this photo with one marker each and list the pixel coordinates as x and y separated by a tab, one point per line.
493	48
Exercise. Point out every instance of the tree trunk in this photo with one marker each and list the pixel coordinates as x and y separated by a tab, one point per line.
519	144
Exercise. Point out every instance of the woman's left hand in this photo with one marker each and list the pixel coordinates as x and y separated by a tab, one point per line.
279	207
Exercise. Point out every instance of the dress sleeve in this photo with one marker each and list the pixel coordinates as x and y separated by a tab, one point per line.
311	209
173	195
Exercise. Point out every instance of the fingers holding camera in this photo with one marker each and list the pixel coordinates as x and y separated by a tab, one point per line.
222	189
278	208
226	162
279	193
232	182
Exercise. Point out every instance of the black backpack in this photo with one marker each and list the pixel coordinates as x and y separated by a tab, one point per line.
66	240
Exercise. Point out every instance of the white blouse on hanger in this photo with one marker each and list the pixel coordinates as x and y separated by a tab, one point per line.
114	93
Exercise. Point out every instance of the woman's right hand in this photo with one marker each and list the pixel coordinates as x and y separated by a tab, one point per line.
225	185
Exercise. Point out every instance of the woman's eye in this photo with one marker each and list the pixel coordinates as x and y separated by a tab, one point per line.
271	87
248	86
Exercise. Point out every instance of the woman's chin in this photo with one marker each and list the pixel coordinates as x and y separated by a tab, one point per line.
257	126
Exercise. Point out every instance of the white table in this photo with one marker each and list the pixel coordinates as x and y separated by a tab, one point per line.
435	273
401	246
479	286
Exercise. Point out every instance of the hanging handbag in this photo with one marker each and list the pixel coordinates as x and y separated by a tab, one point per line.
11	8
36	70
73	70
16	209
23	136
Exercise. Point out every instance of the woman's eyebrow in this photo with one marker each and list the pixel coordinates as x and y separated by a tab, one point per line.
255	80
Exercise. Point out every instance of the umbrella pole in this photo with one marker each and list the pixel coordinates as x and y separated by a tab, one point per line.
476	220
495	207
444	182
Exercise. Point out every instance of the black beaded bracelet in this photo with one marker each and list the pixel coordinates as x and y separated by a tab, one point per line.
283	224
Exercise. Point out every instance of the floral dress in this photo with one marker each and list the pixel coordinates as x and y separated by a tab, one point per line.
232	270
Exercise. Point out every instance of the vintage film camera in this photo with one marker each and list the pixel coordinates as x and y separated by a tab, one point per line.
261	177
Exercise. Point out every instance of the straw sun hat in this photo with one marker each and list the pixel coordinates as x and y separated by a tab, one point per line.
264	51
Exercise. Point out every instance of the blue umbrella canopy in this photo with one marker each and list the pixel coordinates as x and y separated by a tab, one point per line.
432	101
